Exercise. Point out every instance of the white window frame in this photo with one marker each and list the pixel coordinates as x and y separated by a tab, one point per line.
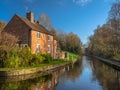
23	45
49	49
38	35
38	48
55	49
55	41
48	37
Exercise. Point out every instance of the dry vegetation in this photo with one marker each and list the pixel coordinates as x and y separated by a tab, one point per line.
106	39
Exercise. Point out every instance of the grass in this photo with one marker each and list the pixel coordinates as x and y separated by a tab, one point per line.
116	57
72	57
54	62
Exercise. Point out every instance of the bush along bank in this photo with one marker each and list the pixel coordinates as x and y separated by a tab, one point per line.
24	58
72	57
22	61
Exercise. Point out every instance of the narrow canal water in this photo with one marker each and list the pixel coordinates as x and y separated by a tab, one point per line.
87	74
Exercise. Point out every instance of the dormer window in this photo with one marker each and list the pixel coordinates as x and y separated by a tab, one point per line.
38	34
48	37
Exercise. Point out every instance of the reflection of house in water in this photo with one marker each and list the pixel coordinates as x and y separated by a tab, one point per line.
38	81
50	84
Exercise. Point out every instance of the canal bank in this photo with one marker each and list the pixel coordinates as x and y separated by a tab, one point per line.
114	64
31	70
87	74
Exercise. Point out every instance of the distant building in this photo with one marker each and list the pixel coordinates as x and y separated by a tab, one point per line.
32	34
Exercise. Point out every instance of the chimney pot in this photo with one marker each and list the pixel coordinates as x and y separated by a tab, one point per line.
38	22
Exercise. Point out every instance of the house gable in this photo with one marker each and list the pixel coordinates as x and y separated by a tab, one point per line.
27	33
19	29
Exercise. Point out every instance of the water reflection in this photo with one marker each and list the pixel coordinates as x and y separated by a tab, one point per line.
108	77
90	74
75	70
35	82
87	74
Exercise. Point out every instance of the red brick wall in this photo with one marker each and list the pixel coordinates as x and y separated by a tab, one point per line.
43	41
55	47
19	29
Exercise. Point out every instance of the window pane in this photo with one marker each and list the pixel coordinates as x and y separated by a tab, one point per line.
38	34
48	37
38	48
48	48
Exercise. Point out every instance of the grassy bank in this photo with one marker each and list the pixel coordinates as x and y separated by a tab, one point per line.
73	57
54	62
24	59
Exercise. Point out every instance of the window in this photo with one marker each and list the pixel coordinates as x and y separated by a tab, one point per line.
38	48
23	45
55	49
55	41
48	48
49	84
48	37
38	34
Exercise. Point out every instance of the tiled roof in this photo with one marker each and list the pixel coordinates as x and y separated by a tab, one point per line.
35	26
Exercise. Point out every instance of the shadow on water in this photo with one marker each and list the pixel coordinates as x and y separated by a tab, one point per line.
86	74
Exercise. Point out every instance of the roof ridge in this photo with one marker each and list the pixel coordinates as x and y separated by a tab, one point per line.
34	26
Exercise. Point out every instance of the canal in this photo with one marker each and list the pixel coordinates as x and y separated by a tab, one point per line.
87	74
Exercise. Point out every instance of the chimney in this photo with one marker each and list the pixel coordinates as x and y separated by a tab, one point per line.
30	16
37	22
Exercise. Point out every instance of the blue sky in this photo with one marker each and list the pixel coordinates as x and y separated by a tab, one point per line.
78	16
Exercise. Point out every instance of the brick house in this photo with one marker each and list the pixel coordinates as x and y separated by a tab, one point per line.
32	34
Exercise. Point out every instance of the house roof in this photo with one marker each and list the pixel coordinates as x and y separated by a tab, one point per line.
34	26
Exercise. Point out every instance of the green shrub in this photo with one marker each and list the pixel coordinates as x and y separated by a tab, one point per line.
22	58
37	59
13	60
25	56
47	57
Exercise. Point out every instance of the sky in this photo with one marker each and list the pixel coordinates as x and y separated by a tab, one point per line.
78	16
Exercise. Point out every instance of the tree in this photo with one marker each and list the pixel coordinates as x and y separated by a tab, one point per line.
114	19
73	43
61	39
101	43
45	21
69	42
7	42
2	25
106	39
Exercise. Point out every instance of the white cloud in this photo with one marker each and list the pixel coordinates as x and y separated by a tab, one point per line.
82	2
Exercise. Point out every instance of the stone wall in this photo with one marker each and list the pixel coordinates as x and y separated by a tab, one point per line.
30	71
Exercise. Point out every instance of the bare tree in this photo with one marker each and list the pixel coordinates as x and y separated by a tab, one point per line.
7	41
2	25
106	39
114	19
45	21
